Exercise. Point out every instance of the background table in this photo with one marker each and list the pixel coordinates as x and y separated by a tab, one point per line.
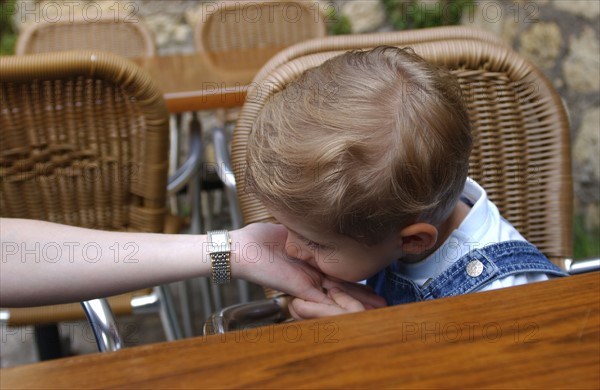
205	81
542	335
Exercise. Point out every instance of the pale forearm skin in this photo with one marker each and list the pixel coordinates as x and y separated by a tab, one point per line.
44	263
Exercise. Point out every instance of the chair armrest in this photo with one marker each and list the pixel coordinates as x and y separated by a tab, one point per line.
191	165
580	266
248	315
103	324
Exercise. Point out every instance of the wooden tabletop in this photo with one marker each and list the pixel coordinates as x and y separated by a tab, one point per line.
206	81
542	335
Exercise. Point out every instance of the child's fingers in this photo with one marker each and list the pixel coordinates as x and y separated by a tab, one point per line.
360	292
345	300
366	295
293	311
301	309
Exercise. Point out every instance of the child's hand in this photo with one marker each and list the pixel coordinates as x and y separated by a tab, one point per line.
360	292
355	298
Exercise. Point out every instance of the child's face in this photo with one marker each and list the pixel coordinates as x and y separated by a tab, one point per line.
335	255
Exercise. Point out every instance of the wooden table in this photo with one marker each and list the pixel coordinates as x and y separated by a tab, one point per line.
543	335
206	81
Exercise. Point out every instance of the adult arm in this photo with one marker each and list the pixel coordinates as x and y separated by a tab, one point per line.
47	263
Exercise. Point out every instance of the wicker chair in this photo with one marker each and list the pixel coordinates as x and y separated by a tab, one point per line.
242	27
358	41
340	42
248	25
85	142
115	35
521	153
130	38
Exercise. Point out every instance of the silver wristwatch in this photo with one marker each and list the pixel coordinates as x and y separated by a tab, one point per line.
219	249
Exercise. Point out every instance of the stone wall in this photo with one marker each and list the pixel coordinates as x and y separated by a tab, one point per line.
561	37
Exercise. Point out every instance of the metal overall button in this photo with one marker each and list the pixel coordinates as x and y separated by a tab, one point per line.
474	268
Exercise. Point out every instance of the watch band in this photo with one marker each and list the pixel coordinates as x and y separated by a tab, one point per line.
219	250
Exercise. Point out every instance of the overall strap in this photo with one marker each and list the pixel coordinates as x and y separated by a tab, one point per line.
482	266
471	272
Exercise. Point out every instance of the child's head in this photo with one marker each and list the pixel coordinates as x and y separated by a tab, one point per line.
363	145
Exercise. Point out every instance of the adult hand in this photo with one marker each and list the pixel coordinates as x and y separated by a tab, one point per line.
259	256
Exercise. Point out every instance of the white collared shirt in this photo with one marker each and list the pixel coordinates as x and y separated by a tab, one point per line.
482	226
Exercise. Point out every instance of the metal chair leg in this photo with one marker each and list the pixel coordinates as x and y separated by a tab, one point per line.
167	313
186	308
216	295
186	175
207	305
175	129
225	172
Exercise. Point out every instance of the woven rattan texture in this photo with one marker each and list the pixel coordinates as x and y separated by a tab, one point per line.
128	38
358	41
521	154
84	142
248	25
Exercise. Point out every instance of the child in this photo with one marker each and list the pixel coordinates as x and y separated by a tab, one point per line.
367	169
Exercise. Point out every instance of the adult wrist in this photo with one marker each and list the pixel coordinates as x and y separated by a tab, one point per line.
237	269
242	268
219	250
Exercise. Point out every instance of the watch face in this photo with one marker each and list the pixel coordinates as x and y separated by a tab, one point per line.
219	241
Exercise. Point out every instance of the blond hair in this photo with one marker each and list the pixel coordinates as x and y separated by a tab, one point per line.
365	144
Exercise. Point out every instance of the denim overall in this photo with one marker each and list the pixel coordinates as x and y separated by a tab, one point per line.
469	273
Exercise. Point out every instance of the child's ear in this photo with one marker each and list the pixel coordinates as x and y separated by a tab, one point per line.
417	238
